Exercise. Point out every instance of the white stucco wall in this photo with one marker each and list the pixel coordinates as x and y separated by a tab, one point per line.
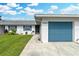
21	31
6	27
33	29
44	27
76	30
44	32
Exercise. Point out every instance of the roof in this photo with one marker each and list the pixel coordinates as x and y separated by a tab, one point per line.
38	17
18	22
56	15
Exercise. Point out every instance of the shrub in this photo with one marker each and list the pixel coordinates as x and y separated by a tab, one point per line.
13	32
10	33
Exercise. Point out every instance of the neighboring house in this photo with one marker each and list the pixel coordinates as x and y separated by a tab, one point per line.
22	27
58	28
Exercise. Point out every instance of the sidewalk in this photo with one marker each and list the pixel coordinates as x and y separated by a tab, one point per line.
29	45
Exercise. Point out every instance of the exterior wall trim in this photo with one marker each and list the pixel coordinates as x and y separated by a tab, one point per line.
50	20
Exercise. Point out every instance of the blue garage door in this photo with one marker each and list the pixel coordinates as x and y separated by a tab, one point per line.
59	31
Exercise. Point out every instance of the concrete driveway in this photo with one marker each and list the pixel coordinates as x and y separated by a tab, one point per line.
37	48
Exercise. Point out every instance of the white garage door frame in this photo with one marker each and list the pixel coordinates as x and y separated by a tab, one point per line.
44	27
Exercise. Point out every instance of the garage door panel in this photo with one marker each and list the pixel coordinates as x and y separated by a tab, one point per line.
59	31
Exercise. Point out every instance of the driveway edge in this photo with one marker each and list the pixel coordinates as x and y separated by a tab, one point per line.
23	53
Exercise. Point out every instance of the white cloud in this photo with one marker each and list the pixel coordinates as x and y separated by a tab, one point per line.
12	5
33	4
11	12
6	10
50	12
3	8
30	11
77	4
52	9
19	8
70	9
21	11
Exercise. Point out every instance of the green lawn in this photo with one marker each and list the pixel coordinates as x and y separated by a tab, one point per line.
12	45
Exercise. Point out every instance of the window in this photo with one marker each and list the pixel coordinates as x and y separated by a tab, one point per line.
27	27
11	27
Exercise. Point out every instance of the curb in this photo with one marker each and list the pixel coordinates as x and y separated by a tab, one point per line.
27	45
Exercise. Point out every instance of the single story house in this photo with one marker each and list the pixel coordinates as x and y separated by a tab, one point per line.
58	28
52	28
22	27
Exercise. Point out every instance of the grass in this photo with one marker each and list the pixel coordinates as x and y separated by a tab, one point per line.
12	45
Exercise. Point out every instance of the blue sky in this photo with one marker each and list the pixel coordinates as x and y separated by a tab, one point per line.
26	11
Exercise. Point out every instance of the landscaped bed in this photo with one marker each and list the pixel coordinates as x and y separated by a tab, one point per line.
12	45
